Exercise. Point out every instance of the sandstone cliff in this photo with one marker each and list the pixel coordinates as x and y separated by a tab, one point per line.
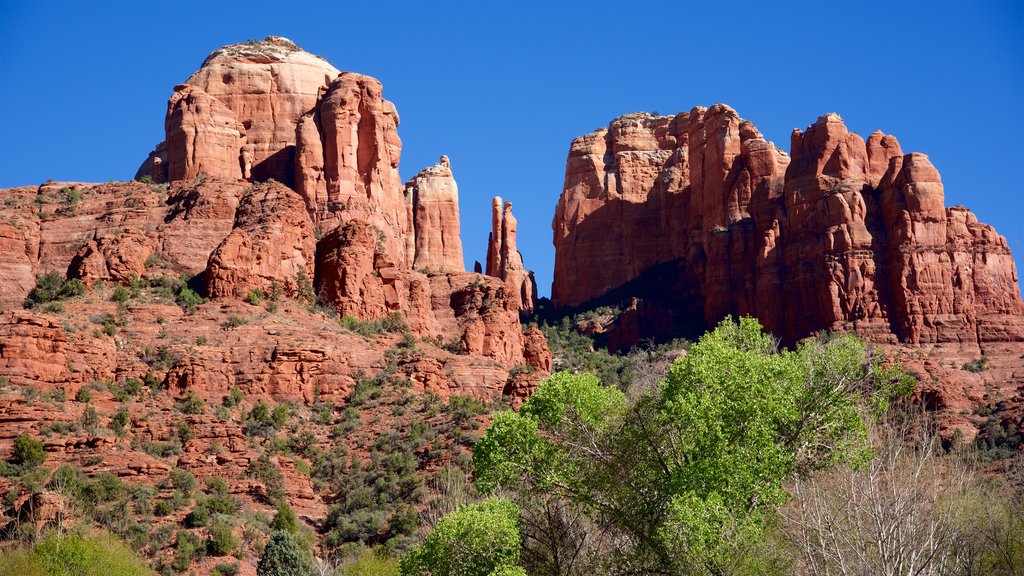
263	86
704	216
432	201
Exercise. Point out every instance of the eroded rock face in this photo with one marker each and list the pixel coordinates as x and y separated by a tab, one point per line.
347	161
267	86
432	200
355	276
272	243
504	261
203	136
702	217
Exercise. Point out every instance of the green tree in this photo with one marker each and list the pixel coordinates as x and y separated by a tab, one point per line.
285	518
96	555
690	473
282	557
28	451
475	540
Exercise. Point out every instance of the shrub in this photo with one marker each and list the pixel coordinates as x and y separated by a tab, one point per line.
217	485
193	404
28	451
94	555
304	287
51	287
183	481
225	569
121	294
120	419
254	297
222	539
976	365
475	539
186	549
285	518
282	557
234	397
264	470
234	321
90	419
188	299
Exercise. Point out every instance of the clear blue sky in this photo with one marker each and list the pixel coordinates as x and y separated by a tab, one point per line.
502	88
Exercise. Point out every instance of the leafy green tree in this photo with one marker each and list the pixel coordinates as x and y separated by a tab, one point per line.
282	557
95	555
475	540
689	474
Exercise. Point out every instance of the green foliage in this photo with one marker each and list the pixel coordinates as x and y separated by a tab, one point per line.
393	323
226	569
188	299
477	539
304	288
222	540
267	472
234	321
285	518
186	549
691	468
121	294
369	562
234	397
254	297
977	365
192	404
160	359
183	481
574	352
261	421
52	287
75	555
28	451
89	419
282	557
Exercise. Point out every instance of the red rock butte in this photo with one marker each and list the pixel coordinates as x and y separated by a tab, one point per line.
708	219
278	174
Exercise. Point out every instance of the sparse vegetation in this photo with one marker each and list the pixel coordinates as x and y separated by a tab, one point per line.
976	365
52	287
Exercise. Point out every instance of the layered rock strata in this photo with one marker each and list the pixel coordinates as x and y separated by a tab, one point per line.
842	234
263	86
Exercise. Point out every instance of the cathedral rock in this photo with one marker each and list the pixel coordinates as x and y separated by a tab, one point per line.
696	216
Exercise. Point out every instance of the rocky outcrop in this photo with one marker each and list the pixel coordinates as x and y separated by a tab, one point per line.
355	276
119	259
203	136
504	260
267	86
701	217
432	201
271	244
347	160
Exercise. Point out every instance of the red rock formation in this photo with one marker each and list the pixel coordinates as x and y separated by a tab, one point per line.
272	243
702	216
268	85
432	200
118	259
355	276
203	136
347	160
504	261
